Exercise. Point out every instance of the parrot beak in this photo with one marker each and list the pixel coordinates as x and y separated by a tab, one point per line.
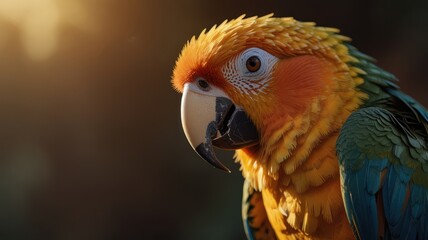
210	119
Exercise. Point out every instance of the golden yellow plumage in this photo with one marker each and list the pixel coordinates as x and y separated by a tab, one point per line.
312	91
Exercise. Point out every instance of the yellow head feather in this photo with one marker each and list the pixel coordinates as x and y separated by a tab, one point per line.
279	36
298	126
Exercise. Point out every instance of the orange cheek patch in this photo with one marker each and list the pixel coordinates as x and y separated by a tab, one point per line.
298	80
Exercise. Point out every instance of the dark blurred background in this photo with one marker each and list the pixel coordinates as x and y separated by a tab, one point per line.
91	139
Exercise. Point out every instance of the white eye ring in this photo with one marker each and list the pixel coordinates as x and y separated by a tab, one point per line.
250	78
266	63
247	54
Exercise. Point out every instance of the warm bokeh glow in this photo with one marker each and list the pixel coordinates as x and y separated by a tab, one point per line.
91	144
39	22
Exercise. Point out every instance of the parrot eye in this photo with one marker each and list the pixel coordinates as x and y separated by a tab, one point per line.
251	70
253	64
203	85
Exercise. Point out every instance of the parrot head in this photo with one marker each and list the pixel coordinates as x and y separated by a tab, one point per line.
248	81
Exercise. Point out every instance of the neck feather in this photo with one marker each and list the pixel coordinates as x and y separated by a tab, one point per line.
291	140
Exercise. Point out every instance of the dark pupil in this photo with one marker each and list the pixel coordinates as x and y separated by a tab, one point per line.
253	64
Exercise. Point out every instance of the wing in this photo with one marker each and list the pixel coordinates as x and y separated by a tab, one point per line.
256	222
384	174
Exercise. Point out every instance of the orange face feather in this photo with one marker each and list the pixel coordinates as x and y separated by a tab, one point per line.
311	90
296	81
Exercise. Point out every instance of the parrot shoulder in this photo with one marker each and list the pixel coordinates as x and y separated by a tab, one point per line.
383	161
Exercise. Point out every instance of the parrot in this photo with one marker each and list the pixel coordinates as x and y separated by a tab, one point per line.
328	145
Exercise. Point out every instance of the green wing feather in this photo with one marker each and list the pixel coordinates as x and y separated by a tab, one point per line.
383	160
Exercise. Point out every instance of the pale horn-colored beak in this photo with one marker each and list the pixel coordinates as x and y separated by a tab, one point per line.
210	118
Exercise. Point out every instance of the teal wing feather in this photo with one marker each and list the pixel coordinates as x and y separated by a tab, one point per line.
256	222
383	176
383	158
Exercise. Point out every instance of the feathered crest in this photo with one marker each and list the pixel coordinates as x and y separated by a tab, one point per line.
279	36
